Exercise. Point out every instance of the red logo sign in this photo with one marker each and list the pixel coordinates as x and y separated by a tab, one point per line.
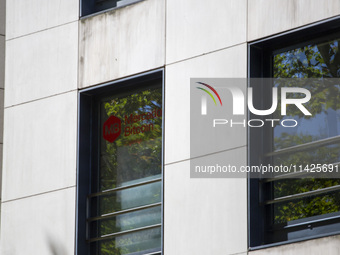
111	129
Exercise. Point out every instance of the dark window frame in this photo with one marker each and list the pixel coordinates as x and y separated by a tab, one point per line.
259	66
86	150
89	7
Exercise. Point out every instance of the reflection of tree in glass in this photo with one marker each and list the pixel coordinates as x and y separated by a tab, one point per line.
131	198
311	206
134	157
311	61
308	206
131	243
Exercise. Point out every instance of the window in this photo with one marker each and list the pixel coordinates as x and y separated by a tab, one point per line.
92	6
120	168
286	209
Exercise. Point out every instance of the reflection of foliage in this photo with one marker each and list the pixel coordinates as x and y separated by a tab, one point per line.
287	140
130	243
109	248
132	158
132	220
311	61
309	206
138	155
130	198
320	61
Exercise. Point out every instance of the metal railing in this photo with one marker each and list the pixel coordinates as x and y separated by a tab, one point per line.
110	236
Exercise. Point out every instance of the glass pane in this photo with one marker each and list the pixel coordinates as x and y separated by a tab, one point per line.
130	153
318	155
307	207
101	5
130	198
132	220
131	140
140	242
324	122
105	4
314	60
288	187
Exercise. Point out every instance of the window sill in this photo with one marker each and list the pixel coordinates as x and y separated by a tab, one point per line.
265	246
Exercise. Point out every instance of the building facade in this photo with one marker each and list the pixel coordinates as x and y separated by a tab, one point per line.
97	125
2	68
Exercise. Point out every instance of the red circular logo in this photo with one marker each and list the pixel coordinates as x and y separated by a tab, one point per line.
111	129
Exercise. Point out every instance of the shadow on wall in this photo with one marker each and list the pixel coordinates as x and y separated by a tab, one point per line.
56	247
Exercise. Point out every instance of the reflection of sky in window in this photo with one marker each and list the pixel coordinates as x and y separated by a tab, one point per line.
321	126
147	108
298	56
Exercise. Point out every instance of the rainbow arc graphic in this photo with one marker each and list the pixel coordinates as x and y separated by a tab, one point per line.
204	98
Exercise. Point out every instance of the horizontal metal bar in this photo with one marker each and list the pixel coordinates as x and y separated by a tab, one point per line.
110	215
154	253
110	236
304	146
305	223
301	195
312	222
110	191
299	174
286	176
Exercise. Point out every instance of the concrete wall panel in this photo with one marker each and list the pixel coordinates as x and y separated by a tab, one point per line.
321	246
228	63
41	64
267	17
198	27
26	17
2	61
122	42
204	216
40	142
1	115
2	17
43	224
